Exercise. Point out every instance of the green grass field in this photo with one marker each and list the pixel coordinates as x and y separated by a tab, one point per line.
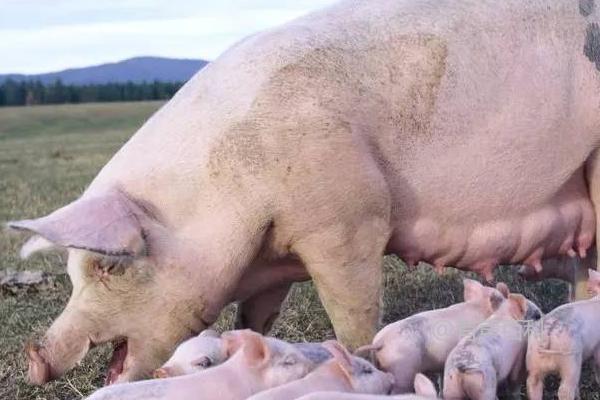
49	154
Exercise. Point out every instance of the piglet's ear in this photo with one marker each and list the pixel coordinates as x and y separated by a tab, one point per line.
473	290
341	357
593	283
232	342
253	345
503	288
424	387
106	224
518	306
255	348
496	299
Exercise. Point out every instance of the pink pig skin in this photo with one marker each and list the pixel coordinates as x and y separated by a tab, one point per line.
256	364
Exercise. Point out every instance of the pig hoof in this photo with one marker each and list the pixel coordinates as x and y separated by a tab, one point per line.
39	370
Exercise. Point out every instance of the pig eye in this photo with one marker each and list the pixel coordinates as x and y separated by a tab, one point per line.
202	362
290	360
109	266
367	370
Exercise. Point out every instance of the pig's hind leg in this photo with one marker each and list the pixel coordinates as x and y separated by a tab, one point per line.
535	385
570	374
260	311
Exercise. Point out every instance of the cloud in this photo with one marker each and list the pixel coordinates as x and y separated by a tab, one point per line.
79	33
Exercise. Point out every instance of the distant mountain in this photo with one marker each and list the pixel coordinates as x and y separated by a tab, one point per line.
134	69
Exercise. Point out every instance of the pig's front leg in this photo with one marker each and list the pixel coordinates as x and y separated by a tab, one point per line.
345	263
260	311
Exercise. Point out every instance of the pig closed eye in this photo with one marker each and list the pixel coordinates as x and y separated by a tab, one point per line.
203	362
110	266
367	370
289	361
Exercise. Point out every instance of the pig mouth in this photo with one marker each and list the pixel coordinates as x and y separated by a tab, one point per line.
116	366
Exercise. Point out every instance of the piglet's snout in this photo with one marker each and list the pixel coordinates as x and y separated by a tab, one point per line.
39	369
163	372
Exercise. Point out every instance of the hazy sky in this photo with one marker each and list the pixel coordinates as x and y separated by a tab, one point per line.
49	35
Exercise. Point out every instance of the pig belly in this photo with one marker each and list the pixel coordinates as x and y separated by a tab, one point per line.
516	232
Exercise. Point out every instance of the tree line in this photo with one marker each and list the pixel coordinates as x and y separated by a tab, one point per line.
21	93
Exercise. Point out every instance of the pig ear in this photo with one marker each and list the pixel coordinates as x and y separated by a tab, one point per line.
368	352
503	288
104	224
518	306
341	357
594	276
254	346
593	282
34	245
424	387
209	333
472	289
232	342
496	299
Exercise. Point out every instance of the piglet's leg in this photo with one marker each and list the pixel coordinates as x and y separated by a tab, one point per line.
260	311
570	374
535	386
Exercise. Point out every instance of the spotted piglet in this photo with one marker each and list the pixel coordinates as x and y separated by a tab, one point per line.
424	390
343	373
562	341
492	354
422	342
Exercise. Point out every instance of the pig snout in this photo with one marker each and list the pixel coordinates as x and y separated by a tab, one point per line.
163	372
39	369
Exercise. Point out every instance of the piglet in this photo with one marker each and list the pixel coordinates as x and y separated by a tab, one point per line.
194	355
422	342
562	341
343	373
254	364
208	350
424	390
492	354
